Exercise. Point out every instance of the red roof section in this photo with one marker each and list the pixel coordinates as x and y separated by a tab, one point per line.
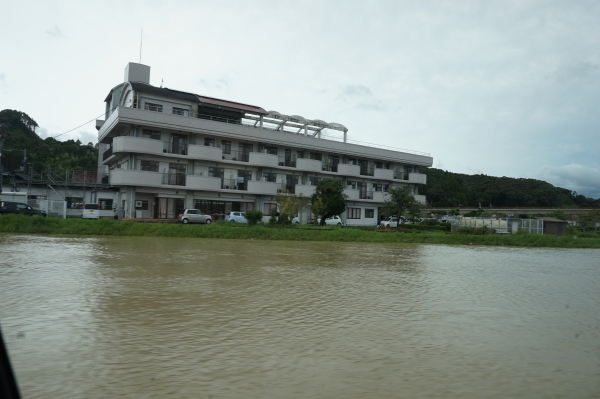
230	104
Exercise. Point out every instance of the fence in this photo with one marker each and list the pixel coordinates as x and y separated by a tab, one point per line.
52	208
508	225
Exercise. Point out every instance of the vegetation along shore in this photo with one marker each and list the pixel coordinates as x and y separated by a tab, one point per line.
419	234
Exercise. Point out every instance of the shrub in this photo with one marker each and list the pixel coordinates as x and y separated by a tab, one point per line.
477	231
253	216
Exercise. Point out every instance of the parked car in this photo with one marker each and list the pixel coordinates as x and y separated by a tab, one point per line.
91	211
194	216
332	221
392	221
20	208
236	217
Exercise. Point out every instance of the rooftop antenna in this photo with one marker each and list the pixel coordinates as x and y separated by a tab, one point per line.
161	82
141	38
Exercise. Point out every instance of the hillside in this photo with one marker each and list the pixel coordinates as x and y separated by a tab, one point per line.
43	154
451	189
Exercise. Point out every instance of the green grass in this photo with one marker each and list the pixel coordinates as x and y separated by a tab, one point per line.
109	227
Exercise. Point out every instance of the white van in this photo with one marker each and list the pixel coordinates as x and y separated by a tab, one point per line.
91	211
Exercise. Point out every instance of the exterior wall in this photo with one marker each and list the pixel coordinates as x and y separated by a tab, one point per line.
305	190
124	177
418	178
205	152
194	182
262	187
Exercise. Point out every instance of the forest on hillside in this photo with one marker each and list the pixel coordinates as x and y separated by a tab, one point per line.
19	131
443	188
455	189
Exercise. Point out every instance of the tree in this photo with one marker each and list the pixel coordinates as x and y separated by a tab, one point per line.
290	205
588	219
400	201
253	216
329	199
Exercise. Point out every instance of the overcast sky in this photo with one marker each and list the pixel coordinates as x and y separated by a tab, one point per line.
504	88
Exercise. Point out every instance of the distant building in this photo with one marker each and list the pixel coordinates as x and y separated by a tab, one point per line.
553	226
166	150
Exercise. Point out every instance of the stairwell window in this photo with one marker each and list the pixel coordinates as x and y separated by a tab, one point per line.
153	107
369	213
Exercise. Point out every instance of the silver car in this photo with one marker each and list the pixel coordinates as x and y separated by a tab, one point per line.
194	216
236	217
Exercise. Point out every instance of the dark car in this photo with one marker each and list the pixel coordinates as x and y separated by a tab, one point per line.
19	207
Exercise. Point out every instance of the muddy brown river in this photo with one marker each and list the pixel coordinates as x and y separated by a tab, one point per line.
135	317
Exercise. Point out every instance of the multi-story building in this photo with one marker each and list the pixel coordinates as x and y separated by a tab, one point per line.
166	150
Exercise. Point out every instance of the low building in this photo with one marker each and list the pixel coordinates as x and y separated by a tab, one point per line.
166	150
553	226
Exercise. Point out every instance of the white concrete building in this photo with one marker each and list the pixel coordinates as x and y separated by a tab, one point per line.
166	150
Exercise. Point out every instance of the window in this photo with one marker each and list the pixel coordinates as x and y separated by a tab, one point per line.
369	213
314	180
151	134
271	150
316	156
270	176
353	213
407	170
351	161
141	205
209	142
290	183
106	203
352	184
268	208
181	111
226	147
150	166
245	150
215	172
378	187
153	107
300	154
242	179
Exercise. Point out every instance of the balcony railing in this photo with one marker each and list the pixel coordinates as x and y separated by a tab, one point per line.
175	148
234	155
364	194
107	154
287	161
287	188
234	184
174	179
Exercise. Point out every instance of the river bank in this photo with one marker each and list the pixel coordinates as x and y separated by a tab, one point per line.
108	227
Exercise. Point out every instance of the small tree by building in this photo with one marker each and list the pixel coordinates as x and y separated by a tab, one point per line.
329	199
400	201
290	205
253	216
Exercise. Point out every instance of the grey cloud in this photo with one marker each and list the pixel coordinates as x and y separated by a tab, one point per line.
583	179
370	107
580	72
56	33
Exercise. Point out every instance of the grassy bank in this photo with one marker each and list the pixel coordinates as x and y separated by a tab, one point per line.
109	227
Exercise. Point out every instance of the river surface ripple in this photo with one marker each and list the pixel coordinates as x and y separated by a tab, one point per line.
136	317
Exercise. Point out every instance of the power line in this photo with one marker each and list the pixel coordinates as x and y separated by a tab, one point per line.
58	135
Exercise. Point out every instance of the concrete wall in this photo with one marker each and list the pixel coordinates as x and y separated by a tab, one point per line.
124	177
137	144
305	190
194	182
262	187
386	174
349	170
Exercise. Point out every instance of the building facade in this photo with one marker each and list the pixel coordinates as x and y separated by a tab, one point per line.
165	150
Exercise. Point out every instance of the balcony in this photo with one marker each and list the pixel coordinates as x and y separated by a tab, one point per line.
348	169
262	187
417	178
379	196
125	177
197	182
204	152
364	194
311	165
262	159
174	179
384	174
352	194
305	190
